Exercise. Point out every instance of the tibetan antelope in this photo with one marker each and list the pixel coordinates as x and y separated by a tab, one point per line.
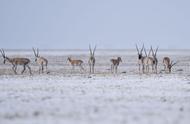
92	60
75	63
115	64
140	56
167	64
154	55
41	61
17	61
147	61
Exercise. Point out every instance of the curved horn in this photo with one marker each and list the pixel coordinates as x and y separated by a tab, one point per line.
150	51
3	53
94	50
172	64
137	48
90	50
37	52
142	48
34	52
145	51
156	51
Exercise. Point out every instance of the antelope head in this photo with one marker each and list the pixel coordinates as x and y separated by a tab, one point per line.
140	52
36	53
69	59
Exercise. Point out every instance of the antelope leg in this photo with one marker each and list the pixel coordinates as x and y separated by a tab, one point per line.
93	69
90	68
14	69
29	69
81	67
42	68
111	68
39	69
24	67
116	68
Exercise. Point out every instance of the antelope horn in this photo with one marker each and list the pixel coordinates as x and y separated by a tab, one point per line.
172	64
145	51
37	52
142	48
94	50
90	50
137	48
156	51
150	51
3	53
34	52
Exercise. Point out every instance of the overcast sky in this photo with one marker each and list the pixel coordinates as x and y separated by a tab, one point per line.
66	24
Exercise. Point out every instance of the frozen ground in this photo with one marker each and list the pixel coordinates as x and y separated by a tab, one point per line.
128	97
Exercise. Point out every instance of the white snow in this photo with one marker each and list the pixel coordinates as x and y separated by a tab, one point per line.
142	99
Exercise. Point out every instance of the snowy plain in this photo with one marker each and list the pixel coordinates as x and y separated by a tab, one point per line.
128	97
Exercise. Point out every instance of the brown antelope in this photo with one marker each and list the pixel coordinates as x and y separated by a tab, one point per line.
92	60
17	61
75	63
115	64
41	61
167	64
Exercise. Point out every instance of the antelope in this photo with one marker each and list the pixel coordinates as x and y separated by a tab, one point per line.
115	64
167	64
17	61
155	62
144	61
41	61
147	61
75	63
92	60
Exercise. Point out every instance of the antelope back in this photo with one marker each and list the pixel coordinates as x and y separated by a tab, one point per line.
20	61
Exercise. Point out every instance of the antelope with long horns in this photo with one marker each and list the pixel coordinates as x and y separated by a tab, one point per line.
92	59
17	61
41	61
154	55
167	64
147	61
75	63
140	57
115	64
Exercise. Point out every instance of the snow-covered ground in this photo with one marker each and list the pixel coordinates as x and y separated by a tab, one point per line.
70	98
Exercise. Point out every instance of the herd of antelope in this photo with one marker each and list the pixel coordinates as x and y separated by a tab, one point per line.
145	61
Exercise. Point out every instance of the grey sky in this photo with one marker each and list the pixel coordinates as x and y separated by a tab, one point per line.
107	23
